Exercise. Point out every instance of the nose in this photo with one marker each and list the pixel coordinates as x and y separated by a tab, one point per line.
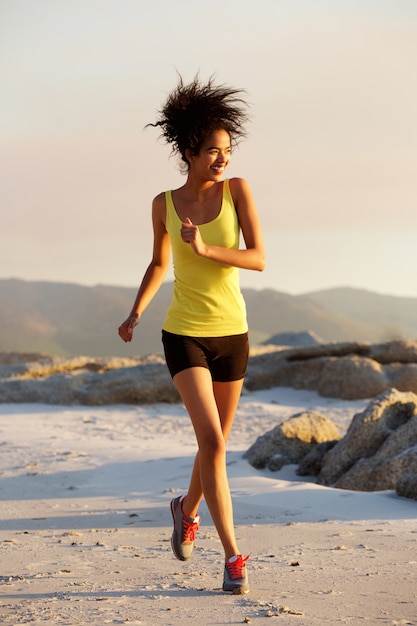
222	157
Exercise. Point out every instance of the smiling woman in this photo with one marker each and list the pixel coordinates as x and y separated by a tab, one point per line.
205	333
218	107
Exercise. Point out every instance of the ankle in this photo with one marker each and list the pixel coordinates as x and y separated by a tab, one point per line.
193	513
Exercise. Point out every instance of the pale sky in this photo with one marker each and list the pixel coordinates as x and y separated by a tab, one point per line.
331	154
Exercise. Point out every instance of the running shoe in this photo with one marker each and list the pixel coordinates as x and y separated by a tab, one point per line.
185	528
236	576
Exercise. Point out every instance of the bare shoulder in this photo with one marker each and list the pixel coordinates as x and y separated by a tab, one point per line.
240	190
159	207
238	184
159	200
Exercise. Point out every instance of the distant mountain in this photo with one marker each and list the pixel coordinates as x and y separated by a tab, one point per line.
394	317
271	312
68	319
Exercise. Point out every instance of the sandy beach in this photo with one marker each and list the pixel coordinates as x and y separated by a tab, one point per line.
85	525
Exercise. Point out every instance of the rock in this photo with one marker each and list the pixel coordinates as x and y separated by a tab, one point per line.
379	473
290	441
378	452
303	338
342	370
403	351
133	385
352	377
329	350
407	486
275	370
402	376
312	463
374	451
347	377
90	382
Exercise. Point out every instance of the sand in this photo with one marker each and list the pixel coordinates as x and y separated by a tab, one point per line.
85	525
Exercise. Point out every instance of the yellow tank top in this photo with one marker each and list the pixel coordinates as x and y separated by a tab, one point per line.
207	301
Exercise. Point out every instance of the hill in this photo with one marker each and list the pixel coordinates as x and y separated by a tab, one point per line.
69	319
394	317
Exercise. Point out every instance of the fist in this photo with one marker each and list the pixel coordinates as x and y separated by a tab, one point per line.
126	329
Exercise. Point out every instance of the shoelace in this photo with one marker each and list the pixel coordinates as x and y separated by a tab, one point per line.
236	567
189	530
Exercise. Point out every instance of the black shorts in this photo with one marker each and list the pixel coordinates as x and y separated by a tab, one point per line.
225	357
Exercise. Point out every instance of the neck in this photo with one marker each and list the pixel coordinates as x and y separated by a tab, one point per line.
198	188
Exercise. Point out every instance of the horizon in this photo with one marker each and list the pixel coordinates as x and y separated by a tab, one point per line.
247	287
330	154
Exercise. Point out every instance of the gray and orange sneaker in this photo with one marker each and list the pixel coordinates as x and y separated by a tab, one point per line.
236	575
185	528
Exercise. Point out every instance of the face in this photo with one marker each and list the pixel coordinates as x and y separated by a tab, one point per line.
214	156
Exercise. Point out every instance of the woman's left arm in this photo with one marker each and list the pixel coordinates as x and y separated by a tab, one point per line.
252	257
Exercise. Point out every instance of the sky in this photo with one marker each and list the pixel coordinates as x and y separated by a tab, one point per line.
331	152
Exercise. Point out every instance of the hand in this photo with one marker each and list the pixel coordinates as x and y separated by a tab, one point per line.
126	329
191	234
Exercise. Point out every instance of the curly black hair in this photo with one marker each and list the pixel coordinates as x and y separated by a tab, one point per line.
192	112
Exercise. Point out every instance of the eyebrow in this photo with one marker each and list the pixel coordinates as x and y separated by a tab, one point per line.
229	147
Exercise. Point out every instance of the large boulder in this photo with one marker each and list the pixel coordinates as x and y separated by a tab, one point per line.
88	381
378	446
402	376
407	486
401	351
341	370
352	377
311	464
381	471
290	441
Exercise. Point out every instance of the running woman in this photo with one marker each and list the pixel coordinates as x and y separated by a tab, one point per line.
205	333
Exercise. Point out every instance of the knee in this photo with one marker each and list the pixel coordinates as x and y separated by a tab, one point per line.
213	447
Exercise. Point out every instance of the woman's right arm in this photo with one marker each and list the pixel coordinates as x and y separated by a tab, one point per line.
156	271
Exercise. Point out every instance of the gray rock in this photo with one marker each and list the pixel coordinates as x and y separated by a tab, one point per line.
290	441
402	376
401	351
407	486
380	472
374	444
312	463
303	338
352	377
91	382
134	385
343	370
275	370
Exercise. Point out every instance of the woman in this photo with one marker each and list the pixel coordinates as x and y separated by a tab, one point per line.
205	333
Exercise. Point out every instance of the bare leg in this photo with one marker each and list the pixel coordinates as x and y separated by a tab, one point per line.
227	397
195	494
211	407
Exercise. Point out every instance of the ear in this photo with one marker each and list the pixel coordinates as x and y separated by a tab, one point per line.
189	155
